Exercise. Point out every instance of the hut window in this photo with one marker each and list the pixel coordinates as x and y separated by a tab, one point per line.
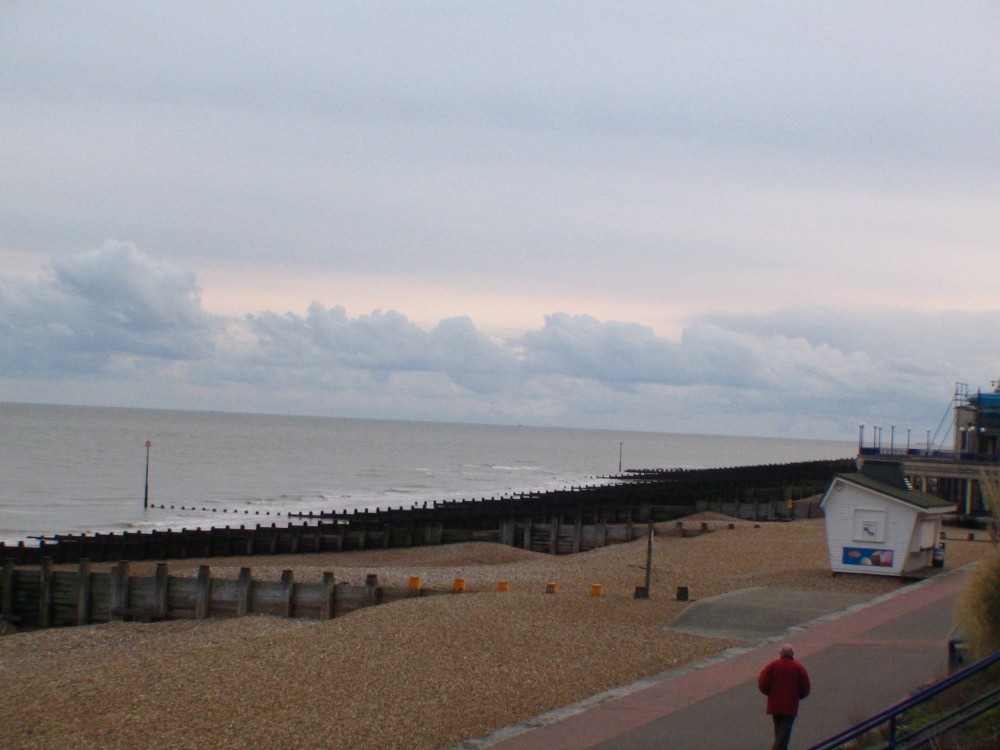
869	525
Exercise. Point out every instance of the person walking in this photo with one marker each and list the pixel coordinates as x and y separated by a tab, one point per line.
785	682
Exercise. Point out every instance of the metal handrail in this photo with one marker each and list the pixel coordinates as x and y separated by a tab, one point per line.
934	453
954	719
890	715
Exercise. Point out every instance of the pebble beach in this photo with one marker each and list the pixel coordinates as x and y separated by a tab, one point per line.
423	673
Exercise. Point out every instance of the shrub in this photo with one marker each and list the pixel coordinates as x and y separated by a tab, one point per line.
979	607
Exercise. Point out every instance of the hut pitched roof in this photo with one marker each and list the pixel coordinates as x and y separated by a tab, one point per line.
888	478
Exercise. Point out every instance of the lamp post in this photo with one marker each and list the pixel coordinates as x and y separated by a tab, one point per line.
145	497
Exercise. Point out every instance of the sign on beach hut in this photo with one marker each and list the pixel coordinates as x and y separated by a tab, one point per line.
876	523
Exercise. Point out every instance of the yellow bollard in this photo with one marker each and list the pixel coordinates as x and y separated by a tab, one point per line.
596	589
414	584
552	588
459	585
503	586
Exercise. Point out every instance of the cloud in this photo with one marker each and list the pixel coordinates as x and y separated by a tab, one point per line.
96	306
612	352
123	328
381	343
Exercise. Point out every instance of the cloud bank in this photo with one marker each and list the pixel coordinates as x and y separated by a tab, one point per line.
113	326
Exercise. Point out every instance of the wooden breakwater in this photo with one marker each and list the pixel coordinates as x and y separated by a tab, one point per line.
558	522
43	597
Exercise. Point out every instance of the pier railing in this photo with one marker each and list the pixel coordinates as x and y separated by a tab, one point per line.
933	454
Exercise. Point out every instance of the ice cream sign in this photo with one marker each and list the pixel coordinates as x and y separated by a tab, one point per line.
879	558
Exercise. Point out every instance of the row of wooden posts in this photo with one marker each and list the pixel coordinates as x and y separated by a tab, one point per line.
556	536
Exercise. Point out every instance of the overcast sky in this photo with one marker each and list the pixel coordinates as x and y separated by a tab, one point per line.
769	218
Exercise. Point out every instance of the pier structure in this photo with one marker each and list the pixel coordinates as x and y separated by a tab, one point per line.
955	473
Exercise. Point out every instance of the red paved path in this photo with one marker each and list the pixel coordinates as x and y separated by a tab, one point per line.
860	662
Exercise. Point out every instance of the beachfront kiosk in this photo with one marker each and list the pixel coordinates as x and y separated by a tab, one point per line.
876	523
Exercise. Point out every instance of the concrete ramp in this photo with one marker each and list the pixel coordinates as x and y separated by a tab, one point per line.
760	614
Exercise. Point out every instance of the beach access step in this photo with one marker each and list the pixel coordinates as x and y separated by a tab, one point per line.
42	597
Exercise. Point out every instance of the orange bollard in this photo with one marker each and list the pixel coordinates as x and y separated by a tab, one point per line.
459	585
414	583
596	589
503	586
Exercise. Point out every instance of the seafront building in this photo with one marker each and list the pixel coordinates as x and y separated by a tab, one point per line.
958	473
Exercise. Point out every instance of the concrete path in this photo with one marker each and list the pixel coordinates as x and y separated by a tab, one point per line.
861	660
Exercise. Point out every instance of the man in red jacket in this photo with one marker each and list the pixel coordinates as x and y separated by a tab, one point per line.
785	682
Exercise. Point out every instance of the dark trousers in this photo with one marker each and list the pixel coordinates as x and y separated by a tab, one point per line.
782	731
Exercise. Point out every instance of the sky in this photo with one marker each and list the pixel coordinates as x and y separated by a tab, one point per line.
766	219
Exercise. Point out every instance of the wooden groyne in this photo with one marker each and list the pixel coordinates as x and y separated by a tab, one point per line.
558	522
44	597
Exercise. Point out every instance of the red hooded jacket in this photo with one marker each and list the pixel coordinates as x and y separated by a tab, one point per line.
785	682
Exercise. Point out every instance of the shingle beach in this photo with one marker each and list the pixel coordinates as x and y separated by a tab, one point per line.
422	673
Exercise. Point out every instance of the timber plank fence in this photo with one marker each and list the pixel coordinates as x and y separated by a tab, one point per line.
557	522
43	597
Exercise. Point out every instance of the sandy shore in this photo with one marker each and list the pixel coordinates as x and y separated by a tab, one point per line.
422	673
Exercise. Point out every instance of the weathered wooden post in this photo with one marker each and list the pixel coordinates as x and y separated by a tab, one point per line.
371	590
649	556
119	591
83	593
642	592
203	592
45	593
287	587
160	602
243	592
328	590
145	497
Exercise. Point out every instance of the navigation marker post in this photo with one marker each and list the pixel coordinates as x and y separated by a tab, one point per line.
145	497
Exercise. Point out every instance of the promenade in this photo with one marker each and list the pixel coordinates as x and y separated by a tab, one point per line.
861	660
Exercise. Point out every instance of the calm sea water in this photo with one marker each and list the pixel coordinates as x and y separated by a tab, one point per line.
70	469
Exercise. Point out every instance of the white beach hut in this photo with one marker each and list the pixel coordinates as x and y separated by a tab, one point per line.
877	524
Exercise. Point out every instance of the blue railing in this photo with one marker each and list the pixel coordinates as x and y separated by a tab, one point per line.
940	455
890	718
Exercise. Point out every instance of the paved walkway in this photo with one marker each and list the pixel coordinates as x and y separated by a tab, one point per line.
861	660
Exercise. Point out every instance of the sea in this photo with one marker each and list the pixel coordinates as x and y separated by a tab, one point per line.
75	469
